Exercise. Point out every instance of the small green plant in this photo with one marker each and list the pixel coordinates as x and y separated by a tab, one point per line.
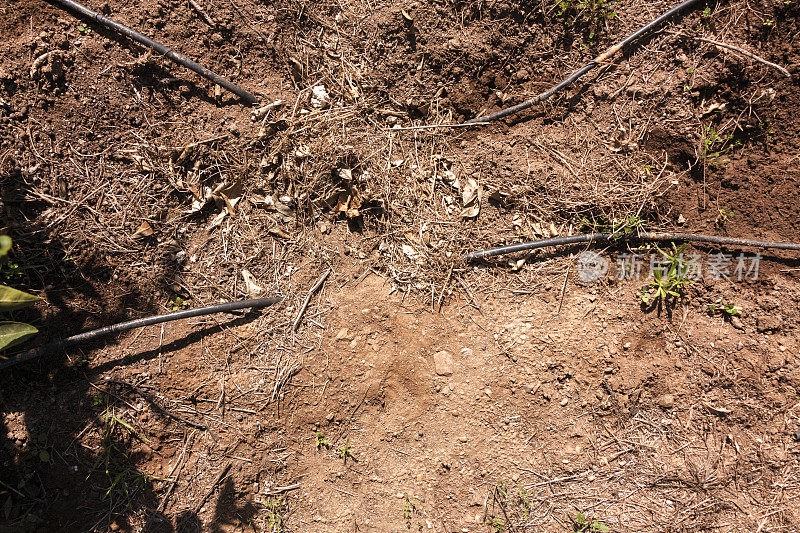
496	524
12	332
508	507
715	146
582	524
345	451
274	508
727	310
722	217
112	461
410	510
616	226
321	441
178	303
669	280
706	21
84	30
591	14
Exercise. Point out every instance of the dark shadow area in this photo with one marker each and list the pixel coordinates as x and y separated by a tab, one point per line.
50	479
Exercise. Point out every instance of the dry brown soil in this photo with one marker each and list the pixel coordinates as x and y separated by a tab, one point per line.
417	394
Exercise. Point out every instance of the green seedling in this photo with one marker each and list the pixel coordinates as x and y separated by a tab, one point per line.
321	441
345	451
275	507
669	281
409	509
727	310
592	14
496	524
112	460
178	303
508	507
616	226
715	146
582	524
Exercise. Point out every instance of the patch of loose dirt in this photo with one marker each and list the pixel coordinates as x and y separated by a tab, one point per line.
416	393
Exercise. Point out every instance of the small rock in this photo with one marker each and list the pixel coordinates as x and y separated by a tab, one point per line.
601	92
775	362
343	335
531	388
564	401
443	363
320	97
467	352
666	401
522	74
462	439
768	323
737	322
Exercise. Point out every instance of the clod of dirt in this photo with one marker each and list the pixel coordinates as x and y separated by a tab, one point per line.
49	65
443	363
768	323
667	401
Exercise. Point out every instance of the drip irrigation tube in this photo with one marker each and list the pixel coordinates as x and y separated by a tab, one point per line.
643	236
82	11
602	58
259	303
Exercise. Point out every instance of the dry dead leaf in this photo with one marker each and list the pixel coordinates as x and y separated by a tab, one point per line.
217	220
719	411
253	289
470	198
145	230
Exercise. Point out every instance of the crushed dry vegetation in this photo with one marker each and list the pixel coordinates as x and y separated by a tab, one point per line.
396	388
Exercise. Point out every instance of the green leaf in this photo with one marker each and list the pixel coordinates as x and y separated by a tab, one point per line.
5	244
44	456
12	333
11	299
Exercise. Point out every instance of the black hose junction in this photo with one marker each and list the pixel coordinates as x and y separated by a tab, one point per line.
259	303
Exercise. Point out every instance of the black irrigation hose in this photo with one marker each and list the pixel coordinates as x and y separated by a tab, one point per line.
259	303
602	58
644	236
79	10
